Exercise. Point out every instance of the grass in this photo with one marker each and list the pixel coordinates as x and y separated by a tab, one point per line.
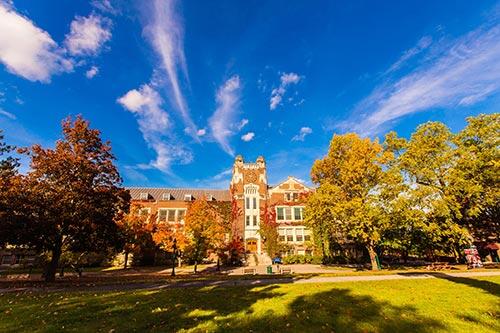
448	304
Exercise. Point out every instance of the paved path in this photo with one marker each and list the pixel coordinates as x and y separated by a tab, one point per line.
257	281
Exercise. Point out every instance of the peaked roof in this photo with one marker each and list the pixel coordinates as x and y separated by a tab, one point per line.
156	193
290	179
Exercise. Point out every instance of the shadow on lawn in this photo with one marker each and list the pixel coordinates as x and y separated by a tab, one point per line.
253	310
488	286
338	310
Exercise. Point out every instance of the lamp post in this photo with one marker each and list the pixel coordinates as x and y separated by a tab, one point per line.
174	256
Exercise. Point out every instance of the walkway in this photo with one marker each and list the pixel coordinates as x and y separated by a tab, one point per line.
259	281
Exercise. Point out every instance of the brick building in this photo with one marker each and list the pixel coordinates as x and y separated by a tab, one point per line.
250	189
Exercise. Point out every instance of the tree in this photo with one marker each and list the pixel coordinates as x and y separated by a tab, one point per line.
72	196
10	190
429	162
8	163
166	235
475	179
135	230
204	228
268	230
345	202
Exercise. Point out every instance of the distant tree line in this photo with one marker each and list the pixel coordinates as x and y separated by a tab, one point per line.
431	195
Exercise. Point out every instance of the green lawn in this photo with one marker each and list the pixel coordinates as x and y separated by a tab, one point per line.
431	305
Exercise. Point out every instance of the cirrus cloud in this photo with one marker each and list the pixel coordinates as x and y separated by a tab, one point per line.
154	123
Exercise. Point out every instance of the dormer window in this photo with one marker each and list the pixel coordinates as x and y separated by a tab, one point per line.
143	196
210	197
188	197
291	196
167	196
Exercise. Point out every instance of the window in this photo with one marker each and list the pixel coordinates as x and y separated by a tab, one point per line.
162	215
295	196
288	196
167	196
188	197
288	213
6	260
247	220
143	196
281	233
180	215
280	216
254	203
297	212
255	220
247	203
299	235
289	235
171	215
307	235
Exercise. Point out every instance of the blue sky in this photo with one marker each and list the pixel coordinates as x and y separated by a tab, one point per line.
180	88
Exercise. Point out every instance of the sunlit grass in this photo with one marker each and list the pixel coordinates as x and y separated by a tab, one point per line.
431	305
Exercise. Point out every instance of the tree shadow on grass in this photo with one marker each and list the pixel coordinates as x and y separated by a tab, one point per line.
488	286
338	310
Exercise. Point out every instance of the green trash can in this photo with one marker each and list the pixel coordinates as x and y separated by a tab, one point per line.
269	269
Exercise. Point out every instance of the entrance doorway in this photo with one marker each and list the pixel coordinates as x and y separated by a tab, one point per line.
251	245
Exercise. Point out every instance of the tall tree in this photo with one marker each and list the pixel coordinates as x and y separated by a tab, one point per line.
348	177
204	228
72	195
475	179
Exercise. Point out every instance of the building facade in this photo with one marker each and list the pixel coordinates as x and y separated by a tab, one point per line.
253	195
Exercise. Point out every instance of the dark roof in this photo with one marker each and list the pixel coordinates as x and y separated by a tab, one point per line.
156	193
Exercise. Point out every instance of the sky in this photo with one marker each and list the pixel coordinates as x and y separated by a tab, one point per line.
180	88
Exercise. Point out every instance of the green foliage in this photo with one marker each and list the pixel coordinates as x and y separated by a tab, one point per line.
421	196
302	259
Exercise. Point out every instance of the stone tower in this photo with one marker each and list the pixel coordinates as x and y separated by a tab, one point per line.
249	189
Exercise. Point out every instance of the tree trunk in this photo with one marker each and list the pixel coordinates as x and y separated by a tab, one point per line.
218	264
373	257
50	274
196	266
126	260
179	262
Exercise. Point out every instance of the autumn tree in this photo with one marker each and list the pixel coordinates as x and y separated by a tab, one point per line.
72	196
166	235
345	203
204	228
268	230
135	230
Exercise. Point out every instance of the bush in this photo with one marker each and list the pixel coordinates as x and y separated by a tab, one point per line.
302	259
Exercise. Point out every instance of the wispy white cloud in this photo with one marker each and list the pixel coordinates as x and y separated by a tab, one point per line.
242	124
304	131
220	180
155	126
166	34
277	94
422	45
104	6
88	35
248	137
91	72
222	122
464	72
7	114
28	51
